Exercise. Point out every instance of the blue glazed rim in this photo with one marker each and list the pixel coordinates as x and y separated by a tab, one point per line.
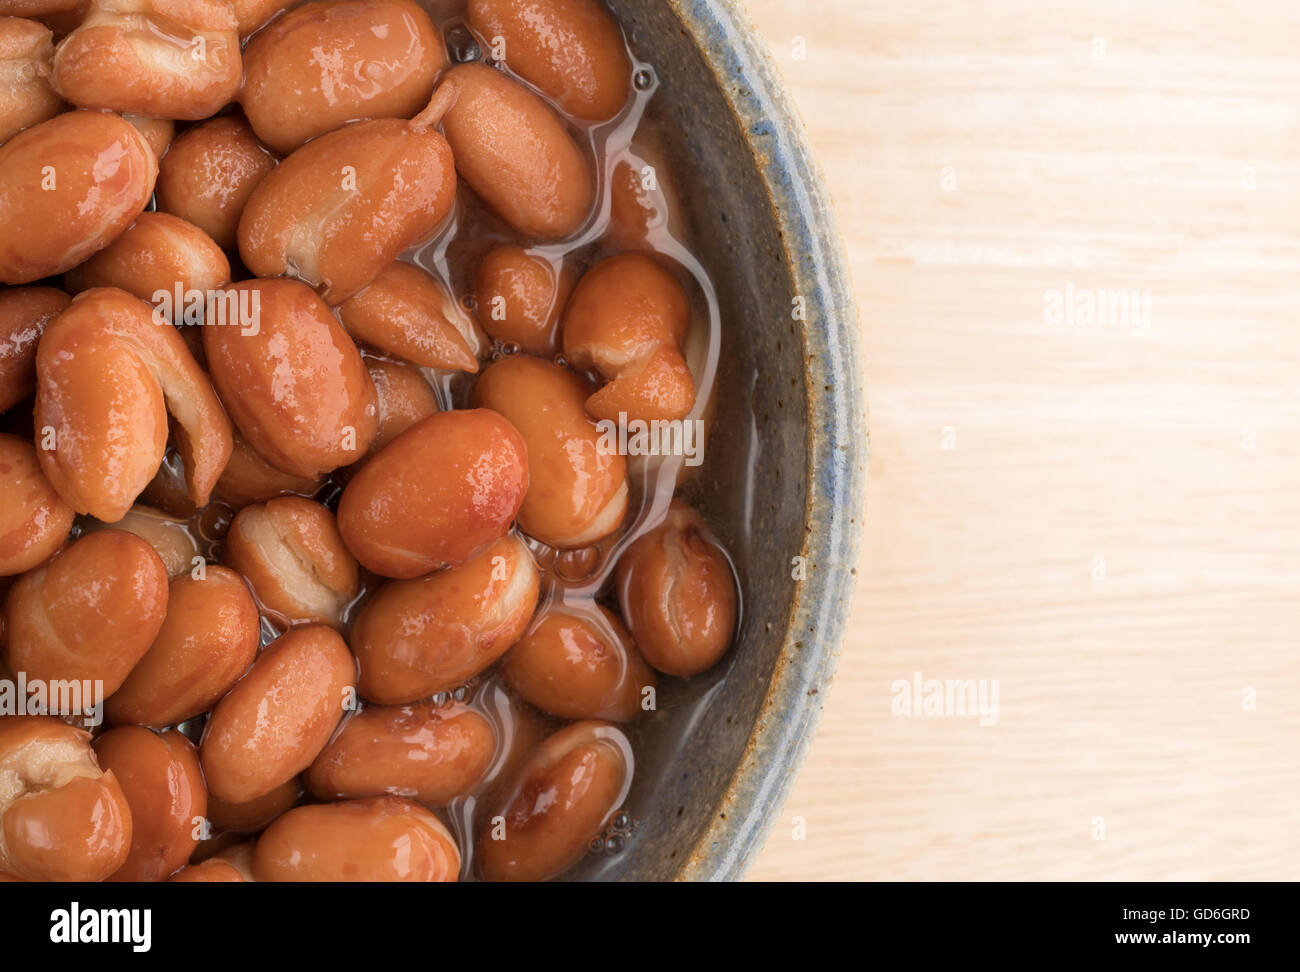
837	439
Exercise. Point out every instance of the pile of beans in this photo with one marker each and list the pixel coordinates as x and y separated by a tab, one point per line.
337	543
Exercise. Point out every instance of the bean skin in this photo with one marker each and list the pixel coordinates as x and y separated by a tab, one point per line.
572	50
25	312
515	152
26	97
69	187
34	519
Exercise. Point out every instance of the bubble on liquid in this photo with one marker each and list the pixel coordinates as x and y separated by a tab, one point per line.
644	79
615	844
622	821
561	361
461	694
510	348
597	844
469	302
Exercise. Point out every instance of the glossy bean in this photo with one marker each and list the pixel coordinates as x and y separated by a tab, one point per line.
208	639
578	489
34	519
168	535
572	50
163	785
678	594
157	132
378	839
424	751
297	389
515	152
557	803
208	174
25	312
579	662
61	817
160	58
26	97
250	478
279	716
383	58
520	296
405	397
438	494
157	253
414	638
107	376
290	551
256	814
340	209
69	187
89	614
407	313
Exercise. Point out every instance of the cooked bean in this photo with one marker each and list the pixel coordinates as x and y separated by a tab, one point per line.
290	551
383	58
515	152
436	495
570	49
678	594
90	613
62	818
207	640
520	297
424	751
107	375
279	716
25	312
163	785
379	839
414	638
26	97
578	662
297	389
557	804
208	174
34	520
405	397
577	491
69	187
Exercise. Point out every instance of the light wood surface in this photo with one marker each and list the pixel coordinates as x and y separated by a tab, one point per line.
1113	535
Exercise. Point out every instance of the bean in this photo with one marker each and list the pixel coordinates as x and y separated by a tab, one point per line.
515	152
249	478
61	817
34	520
383	58
157	253
107	375
256	814
340	209
577	491
69	187
168	535
89	614
627	319
407	313
208	174
423	751
520	297
297	389
279	716
415	638
572	50
378	839
579	662
405	397
678	594
437	495
25	312
163	785
559	801
161	58
290	551
26	97
208	639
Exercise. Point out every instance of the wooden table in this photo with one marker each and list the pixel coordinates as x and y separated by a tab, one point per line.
1102	517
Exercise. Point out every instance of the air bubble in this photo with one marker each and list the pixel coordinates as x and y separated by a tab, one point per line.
462	46
644	79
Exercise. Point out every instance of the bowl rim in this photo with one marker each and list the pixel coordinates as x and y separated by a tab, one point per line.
837	439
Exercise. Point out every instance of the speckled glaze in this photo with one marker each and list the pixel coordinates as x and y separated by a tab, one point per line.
708	792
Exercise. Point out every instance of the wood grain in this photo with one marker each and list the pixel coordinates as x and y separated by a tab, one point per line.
1103	519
